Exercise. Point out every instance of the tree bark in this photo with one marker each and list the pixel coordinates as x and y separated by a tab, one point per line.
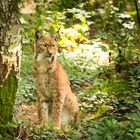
10	57
137	11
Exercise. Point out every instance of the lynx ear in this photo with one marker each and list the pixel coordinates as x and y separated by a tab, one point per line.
38	34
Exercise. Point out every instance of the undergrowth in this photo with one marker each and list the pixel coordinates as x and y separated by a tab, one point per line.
103	68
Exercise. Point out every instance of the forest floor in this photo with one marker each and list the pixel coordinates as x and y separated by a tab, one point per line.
108	99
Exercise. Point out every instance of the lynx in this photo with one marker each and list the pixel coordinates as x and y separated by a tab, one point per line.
56	101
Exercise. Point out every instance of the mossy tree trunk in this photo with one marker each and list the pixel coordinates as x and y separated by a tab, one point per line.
10	56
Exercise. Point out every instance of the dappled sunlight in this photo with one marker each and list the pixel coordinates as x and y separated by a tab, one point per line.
93	55
70	37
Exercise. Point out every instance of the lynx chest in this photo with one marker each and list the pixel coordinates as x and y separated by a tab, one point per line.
43	79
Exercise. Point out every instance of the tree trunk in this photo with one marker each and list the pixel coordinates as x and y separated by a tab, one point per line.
10	57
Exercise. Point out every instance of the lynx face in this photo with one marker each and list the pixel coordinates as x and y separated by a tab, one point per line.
46	47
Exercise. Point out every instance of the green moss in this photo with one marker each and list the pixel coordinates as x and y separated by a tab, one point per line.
7	98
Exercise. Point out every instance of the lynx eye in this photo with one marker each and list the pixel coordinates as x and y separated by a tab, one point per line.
46	45
53	45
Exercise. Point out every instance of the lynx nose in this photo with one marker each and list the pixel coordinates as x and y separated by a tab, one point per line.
48	54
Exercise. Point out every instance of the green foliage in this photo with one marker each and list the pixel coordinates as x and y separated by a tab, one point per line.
108	92
66	4
122	36
26	90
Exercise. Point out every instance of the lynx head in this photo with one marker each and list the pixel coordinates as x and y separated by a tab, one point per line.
45	47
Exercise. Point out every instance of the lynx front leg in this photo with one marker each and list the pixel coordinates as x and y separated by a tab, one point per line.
42	109
43	113
57	111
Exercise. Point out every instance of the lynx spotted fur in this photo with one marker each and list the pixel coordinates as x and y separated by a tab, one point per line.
56	102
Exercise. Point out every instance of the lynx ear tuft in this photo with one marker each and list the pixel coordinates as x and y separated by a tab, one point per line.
38	34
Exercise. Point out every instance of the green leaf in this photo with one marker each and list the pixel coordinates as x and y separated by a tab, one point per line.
138	105
77	136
